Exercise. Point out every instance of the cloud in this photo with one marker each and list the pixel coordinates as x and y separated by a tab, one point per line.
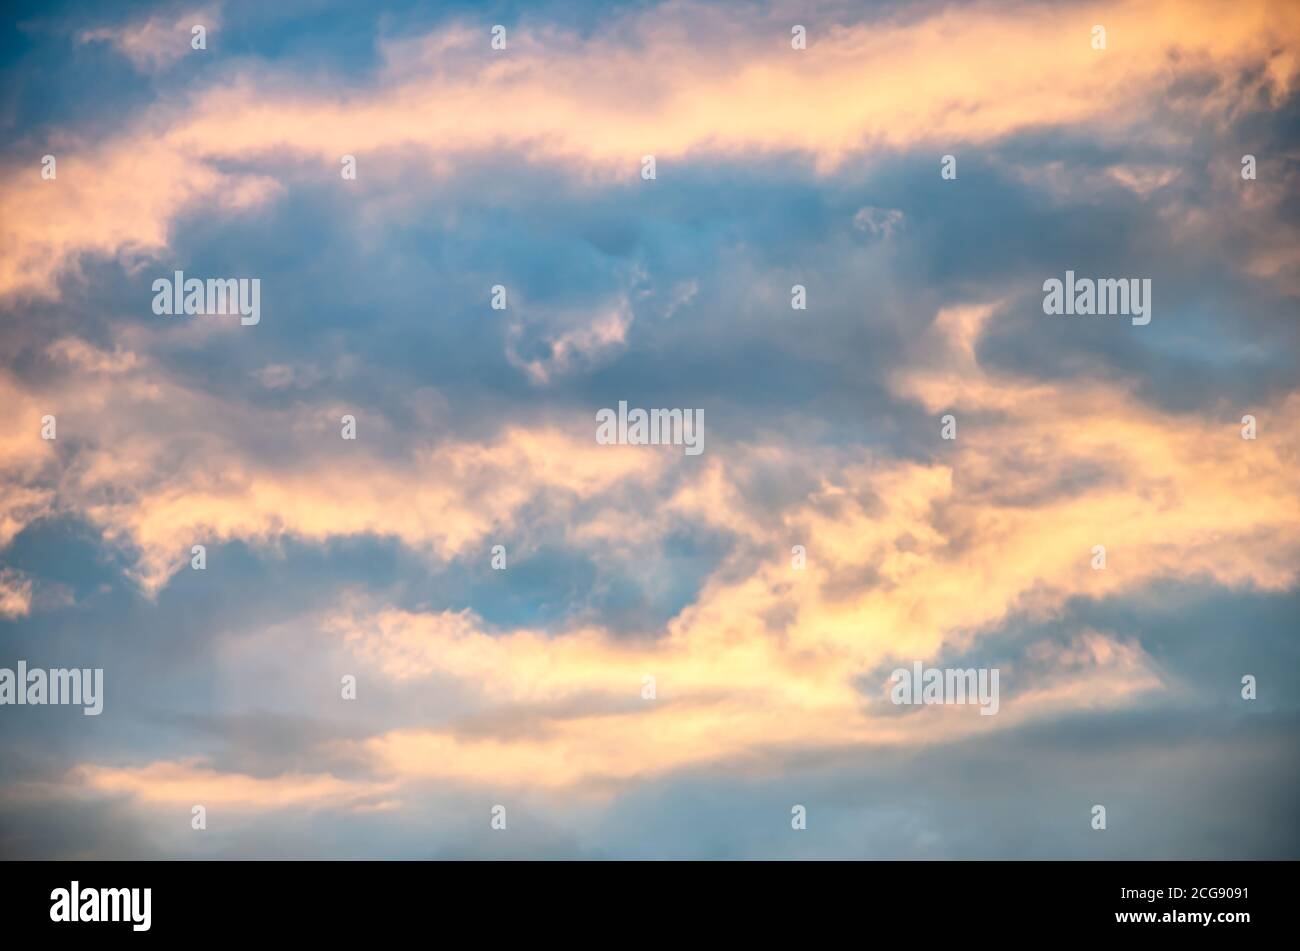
15	594
578	345
190	782
157	42
712	89
1171	508
880	222
158	495
476	428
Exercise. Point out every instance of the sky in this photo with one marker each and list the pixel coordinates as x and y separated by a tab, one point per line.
476	630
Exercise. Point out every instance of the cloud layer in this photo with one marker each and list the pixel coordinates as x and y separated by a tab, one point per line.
679	648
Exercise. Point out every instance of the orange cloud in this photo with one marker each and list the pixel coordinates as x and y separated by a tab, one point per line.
955	547
15	594
677	80
190	782
159	497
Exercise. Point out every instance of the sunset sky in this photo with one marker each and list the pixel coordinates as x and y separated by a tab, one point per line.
525	687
